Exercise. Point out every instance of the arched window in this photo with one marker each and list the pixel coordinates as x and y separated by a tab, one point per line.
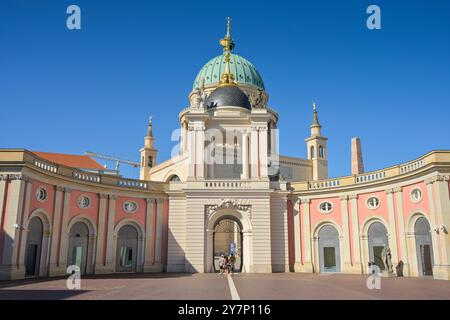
320	152
235	155
142	162
213	141
312	152
174	178
150	161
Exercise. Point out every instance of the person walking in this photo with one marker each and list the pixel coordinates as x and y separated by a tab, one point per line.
221	263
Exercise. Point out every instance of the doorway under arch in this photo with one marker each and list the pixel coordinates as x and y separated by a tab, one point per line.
78	246
378	239
127	249
34	247
329	250
424	247
227	241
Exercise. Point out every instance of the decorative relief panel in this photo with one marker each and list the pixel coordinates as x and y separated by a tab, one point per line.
236	204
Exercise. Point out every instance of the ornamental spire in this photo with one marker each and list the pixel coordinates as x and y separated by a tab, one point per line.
315	116
150	126
227	44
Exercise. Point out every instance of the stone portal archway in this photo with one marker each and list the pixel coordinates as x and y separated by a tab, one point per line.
227	241
242	220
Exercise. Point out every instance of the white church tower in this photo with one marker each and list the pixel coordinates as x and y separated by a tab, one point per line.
317	148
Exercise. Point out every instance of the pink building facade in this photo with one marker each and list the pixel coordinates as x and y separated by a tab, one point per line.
52	216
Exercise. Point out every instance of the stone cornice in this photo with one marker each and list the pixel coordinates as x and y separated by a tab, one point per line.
11	177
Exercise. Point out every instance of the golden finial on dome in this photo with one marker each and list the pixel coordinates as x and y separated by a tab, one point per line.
227	43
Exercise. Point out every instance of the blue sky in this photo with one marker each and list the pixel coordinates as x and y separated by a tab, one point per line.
93	89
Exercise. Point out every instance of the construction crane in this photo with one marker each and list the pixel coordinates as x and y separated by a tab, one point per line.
111	158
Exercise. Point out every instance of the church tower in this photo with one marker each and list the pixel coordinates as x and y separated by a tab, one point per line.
317	149
148	153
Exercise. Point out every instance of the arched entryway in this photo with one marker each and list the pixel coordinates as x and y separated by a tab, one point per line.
127	249
34	247
424	247
329	250
229	210
78	246
378	239
227	240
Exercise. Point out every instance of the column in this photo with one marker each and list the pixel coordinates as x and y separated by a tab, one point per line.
297	235
200	146
247	243
306	224
263	151
101	232
346	257
245	156
356	235
209	251
442	210
401	230
19	249
191	151
13	205
434	235
63	245
150	236
395	250
254	153
56	232
110	254
159	223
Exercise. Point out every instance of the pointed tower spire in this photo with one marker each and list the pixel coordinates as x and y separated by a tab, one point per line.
150	127
315	116
227	44
148	152
315	126
317	148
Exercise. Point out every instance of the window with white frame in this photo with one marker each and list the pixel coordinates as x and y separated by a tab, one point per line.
373	203
325	207
83	202
416	195
130	206
41	194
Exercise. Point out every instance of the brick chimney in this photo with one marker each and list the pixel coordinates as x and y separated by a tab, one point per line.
357	159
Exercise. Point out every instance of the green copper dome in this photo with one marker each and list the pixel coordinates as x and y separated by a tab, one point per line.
242	69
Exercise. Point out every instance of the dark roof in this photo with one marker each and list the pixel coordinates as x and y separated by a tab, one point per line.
228	96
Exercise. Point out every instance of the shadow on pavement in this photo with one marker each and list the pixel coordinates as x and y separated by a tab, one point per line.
118	276
12	294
